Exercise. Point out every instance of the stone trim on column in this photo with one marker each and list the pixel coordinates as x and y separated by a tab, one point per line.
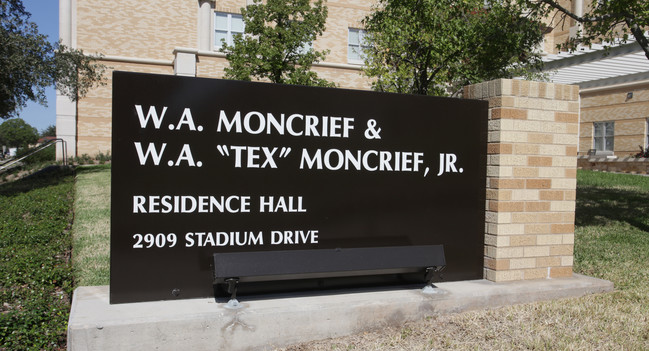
531	178
205	13
66	125
66	109
185	62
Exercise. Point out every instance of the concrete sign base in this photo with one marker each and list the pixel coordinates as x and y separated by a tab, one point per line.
271	321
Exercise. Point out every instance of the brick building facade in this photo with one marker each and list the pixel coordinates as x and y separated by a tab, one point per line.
613	86
182	37
176	37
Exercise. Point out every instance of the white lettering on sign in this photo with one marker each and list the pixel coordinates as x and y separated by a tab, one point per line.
258	123
185	155
159	240
247	238
201	239
186	119
371	160
447	164
280	204
152	114
190	204
152	151
255	122
292	124
288	237
252	155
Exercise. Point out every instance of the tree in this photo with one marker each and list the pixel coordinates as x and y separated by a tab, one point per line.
29	63
605	21
435	47
277	43
17	133
50	131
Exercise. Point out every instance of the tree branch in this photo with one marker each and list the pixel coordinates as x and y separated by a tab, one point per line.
639	36
581	19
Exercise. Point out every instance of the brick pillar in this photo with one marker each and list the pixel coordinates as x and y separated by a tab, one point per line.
531	178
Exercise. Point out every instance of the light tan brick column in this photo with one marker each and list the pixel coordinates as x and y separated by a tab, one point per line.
531	178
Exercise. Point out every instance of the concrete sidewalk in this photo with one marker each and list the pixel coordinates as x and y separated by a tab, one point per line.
280	320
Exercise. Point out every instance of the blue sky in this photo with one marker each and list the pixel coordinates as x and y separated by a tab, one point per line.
45	13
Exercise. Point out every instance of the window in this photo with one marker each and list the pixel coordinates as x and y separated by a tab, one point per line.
226	26
356	45
603	136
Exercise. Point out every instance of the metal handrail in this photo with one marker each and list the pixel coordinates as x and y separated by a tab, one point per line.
64	150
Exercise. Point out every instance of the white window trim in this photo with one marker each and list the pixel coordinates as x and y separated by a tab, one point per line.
604	136
361	33
646	135
229	34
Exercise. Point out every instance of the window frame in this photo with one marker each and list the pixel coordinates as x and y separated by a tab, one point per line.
229	33
607	134
359	46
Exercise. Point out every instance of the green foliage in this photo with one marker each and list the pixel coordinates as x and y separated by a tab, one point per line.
102	158
29	63
435	47
49	131
36	276
17	133
85	159
75	73
276	43
45	156
603	22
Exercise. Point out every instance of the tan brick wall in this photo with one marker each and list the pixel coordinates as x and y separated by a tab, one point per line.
630	116
347	78
210	67
621	165
151	30
94	112
344	78
531	178
137	28
231	6
342	16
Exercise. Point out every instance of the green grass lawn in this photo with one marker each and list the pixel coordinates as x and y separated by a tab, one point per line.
612	229
91	230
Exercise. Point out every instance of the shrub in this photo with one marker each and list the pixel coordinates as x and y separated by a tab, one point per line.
36	275
47	155
103	158
644	153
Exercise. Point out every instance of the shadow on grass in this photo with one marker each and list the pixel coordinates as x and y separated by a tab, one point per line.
92	168
598	206
50	175
47	176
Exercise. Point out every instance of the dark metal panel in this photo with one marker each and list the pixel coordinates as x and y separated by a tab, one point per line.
294	262
343	208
